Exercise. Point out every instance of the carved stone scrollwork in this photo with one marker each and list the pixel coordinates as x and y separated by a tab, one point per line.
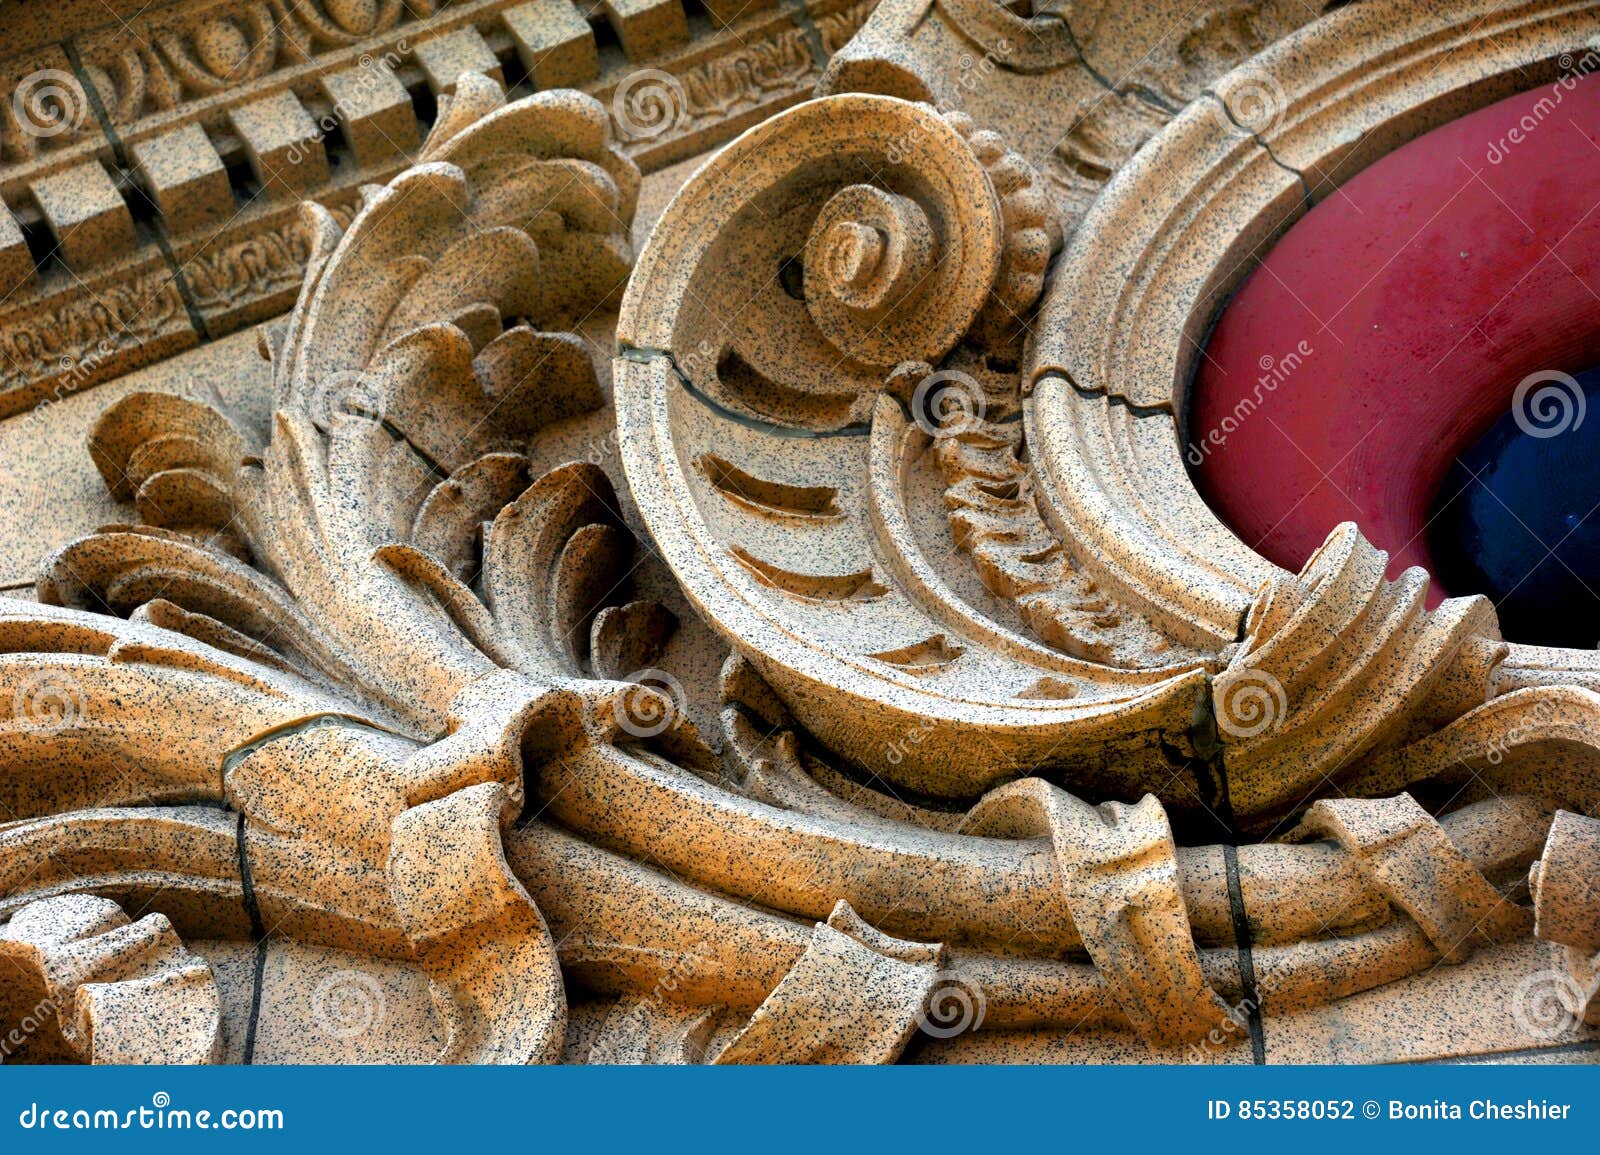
276	575
1109	80
752	488
368	676
920	242
222	51
881	252
1337	668
1095	543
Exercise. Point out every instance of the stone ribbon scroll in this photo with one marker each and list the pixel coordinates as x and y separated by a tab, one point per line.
1119	872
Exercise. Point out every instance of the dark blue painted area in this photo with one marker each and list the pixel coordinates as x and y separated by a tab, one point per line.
1518	517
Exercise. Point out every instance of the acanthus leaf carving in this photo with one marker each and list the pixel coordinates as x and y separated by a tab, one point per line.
345	540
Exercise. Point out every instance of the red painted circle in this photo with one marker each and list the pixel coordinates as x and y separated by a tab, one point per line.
1388	328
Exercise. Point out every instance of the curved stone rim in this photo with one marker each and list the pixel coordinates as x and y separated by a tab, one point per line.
1123	321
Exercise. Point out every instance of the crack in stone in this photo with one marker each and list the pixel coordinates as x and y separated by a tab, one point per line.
1305	185
119	155
808	27
1133	407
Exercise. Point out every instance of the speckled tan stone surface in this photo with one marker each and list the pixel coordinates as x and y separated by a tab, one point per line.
48	485
1478	1007
756	612
314	99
